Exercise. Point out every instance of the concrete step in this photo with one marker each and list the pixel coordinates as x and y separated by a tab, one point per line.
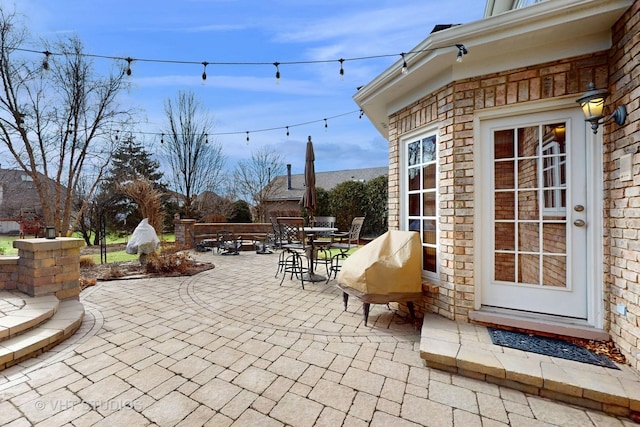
467	349
20	313
64	322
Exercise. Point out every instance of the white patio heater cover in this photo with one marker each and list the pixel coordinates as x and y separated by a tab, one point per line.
390	265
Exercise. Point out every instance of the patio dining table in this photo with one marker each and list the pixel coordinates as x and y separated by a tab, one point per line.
311	232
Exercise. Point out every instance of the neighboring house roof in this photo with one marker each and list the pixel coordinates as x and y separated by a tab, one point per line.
325	180
542	32
17	192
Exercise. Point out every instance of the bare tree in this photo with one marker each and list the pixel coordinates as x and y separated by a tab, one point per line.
55	116
196	160
254	177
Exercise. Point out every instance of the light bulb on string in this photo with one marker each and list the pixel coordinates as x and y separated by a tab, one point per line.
45	61
277	64
405	69
247	137
204	71
361	114
287	132
128	70
206	138
341	69
162	138
326	125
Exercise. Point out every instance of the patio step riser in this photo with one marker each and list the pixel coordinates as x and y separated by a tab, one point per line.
66	320
35	312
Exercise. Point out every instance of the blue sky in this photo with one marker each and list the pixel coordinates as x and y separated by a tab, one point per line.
244	97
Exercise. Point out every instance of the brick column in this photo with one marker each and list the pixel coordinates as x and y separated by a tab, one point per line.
49	266
184	231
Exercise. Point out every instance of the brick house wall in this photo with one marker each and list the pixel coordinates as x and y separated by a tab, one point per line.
622	198
452	108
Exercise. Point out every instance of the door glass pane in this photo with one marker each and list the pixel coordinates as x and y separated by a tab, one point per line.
503	144
528	141
527	173
528	237
529	269
554	270
505	236
504	175
505	270
528	205
505	205
554	238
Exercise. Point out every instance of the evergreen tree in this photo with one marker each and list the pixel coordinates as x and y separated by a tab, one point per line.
130	162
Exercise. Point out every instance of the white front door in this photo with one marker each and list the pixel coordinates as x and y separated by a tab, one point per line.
535	214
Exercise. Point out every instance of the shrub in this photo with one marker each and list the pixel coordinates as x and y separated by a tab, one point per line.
168	260
86	261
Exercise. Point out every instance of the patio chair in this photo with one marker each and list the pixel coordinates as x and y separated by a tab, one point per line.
344	241
293	258
323	239
228	243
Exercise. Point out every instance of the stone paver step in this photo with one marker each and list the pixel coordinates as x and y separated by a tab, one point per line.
20	313
467	350
64	322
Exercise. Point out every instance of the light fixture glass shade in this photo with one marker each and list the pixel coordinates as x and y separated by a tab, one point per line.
50	232
593	109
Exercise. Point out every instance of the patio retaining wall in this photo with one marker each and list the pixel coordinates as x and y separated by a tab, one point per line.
189	233
43	267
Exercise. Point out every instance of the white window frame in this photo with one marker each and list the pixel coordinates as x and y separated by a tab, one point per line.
405	140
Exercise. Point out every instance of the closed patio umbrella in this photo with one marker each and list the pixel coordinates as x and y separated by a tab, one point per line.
309	197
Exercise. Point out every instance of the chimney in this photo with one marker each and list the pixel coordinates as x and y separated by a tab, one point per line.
289	176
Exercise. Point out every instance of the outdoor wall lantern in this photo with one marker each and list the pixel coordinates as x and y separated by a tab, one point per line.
50	232
592	103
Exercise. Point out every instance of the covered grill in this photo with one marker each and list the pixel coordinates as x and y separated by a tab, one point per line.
389	269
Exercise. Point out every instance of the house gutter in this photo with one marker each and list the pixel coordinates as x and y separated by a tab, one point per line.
543	32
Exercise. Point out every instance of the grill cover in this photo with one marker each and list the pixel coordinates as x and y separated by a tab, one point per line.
387	269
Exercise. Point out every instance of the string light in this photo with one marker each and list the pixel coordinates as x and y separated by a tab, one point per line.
129	61
206	138
461	51
277	64
286	128
204	71
326	125
361	114
45	61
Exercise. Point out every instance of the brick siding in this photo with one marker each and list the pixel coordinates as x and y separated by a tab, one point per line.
622	198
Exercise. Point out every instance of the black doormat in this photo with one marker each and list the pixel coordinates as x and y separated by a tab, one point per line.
548	346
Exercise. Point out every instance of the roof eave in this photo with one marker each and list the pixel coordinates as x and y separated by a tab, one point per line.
539	33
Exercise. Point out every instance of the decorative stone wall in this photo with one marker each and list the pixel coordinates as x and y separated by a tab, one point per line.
188	233
622	198
8	272
49	267
453	109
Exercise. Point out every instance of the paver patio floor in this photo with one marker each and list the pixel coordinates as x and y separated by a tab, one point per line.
229	347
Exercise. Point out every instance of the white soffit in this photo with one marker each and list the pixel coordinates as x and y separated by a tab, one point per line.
544	32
